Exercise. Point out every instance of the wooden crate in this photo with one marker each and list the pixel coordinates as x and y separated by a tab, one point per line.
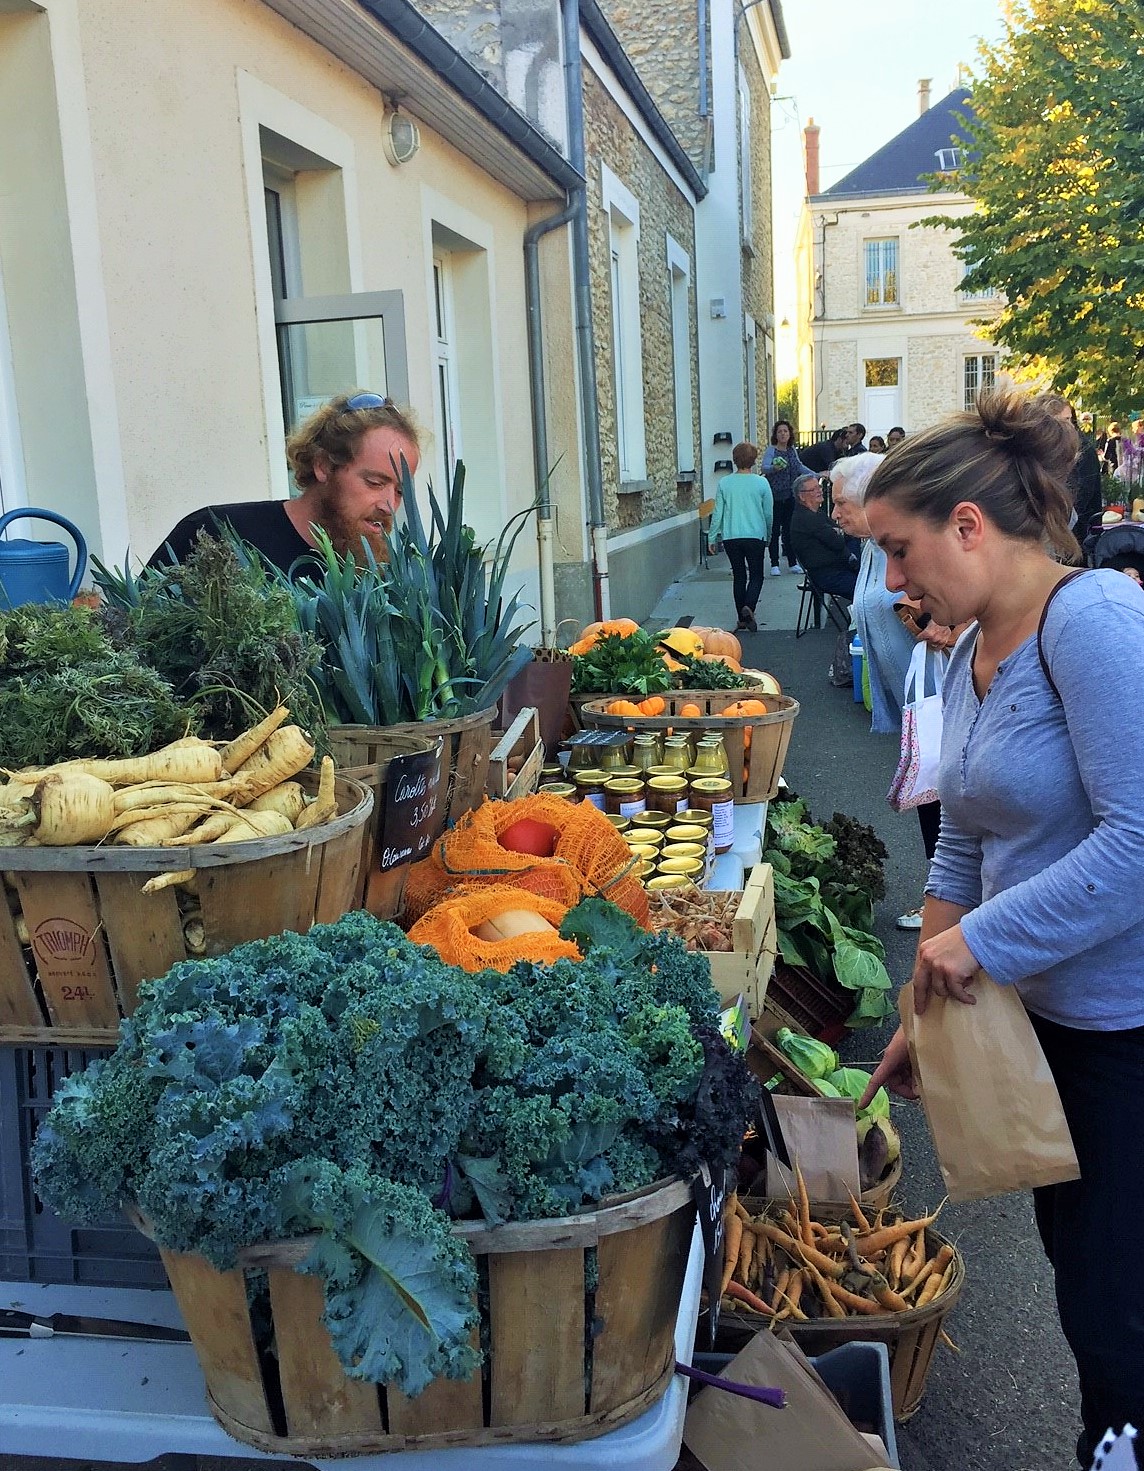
748	967
521	740
564	1362
910	1337
755	763
93	935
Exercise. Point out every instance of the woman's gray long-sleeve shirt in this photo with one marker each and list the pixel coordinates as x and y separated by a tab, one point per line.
1042	832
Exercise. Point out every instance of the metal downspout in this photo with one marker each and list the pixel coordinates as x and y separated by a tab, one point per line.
542	467
582	290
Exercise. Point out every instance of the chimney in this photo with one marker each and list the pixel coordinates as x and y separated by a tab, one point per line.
923	95
810	145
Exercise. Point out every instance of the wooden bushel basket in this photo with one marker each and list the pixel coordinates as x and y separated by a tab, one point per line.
542	1328
910	1337
466	744
755	767
382	894
94	935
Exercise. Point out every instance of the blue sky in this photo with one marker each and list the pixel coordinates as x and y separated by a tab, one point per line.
854	69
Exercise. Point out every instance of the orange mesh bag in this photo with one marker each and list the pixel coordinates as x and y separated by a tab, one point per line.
450	927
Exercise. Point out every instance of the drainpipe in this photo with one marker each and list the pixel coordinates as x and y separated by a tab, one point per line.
542	467
582	288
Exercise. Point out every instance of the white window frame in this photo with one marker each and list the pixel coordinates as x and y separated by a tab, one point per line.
978	371
988	294
746	197
623	215
446	381
877	277
679	294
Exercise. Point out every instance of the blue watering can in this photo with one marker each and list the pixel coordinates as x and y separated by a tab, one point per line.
37	571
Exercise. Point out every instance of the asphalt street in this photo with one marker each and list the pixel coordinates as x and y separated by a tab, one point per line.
1007	1401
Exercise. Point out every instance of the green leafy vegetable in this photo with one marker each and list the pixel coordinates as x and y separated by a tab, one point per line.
621	664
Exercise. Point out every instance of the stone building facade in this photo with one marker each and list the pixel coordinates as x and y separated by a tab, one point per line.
886	335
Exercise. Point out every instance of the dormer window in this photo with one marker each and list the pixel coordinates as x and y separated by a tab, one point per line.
948	160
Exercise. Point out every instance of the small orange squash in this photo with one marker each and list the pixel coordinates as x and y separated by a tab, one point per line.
690	711
653	705
753	707
623	707
719	641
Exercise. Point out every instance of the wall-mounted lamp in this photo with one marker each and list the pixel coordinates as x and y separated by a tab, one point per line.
400	137
727	465
724	436
718	307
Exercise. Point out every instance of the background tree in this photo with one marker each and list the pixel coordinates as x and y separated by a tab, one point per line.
1056	167
786	401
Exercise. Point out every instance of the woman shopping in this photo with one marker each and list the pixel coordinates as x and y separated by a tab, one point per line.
741	520
889	626
782	467
1038	876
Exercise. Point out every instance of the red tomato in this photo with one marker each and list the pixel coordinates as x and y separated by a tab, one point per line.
529	836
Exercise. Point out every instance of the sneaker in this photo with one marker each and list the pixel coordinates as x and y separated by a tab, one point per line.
776	571
796	569
911	920
747	620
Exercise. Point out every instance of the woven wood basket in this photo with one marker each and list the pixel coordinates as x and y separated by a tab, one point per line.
543	1330
94	935
756	762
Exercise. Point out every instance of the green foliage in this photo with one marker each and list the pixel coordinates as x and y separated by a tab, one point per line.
429	633
621	664
709	674
1055	169
67	692
222	630
351	1084
786	401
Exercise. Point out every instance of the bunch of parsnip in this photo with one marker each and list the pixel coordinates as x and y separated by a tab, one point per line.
786	1264
189	792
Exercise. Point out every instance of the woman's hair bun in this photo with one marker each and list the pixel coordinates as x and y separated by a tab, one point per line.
1027	426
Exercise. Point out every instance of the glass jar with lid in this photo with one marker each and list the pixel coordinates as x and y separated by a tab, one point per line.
667	794
646	751
614	758
590	784
678	752
710	757
713	794
625	795
565	789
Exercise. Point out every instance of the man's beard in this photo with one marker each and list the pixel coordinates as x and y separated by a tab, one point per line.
347	536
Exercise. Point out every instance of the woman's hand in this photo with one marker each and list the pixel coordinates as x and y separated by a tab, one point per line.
894	1071
945	966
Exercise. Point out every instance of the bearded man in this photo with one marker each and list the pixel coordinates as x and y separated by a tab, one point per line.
347	460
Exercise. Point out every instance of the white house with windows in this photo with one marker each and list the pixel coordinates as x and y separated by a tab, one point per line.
885	332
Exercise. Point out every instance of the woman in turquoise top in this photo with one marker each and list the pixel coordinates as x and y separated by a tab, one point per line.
741	520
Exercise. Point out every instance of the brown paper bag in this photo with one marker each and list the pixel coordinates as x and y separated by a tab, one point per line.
821	1139
728	1433
992	1106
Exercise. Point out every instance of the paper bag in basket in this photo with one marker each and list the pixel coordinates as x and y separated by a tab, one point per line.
989	1097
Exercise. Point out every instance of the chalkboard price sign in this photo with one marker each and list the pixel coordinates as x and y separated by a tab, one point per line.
412	799
709	1188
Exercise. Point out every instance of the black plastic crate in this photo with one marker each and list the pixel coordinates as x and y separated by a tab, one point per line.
35	1244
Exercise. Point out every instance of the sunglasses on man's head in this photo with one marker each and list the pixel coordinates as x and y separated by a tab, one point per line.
369	401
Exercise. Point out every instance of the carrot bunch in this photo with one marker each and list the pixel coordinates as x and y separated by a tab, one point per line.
787	1265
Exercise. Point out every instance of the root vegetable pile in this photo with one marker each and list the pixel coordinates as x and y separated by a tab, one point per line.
786	1265
702	920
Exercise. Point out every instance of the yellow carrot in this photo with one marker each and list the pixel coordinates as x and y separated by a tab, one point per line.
880	1240
243	747
733	1235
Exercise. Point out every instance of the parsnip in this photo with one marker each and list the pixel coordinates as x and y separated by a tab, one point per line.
180	762
243	747
284	754
287	797
73	808
325	804
151	826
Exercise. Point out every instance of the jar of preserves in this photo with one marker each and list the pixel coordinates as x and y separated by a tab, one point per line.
661	882
684	850
688	832
614	758
695	817
713	794
552	772
625	796
564	789
590	784
621	824
691	868
643	837
659	820
667	794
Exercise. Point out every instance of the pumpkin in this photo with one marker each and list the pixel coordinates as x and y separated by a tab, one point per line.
753	707
719	641
690	711
673	665
653	705
583	645
623	707
682	641
729	660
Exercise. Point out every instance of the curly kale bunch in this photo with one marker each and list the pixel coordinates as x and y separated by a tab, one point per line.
350	1084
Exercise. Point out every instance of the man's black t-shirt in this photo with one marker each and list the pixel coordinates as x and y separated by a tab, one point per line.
819	456
263	524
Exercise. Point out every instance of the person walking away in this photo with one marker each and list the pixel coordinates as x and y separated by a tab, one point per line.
742	520
889	628
782	467
1039	868
347	459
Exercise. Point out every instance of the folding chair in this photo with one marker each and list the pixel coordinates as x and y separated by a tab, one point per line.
812	600
704	511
